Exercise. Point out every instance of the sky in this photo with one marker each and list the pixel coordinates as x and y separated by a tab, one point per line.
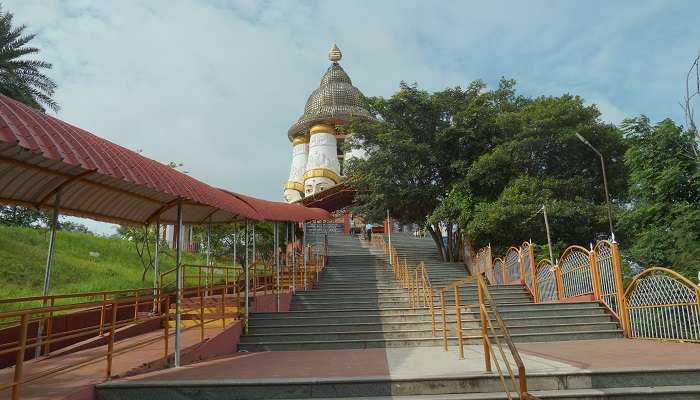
215	84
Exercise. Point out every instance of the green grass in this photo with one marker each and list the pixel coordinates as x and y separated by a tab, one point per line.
23	259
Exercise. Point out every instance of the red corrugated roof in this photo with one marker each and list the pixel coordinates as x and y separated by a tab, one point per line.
105	181
279	211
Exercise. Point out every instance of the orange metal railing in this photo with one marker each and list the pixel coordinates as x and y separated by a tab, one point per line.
110	307
661	304
658	303
209	294
495	337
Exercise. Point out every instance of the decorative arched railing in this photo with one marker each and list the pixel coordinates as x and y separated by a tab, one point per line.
575	267
608	275
512	260
482	264
658	304
498	271
546	278
662	304
527	260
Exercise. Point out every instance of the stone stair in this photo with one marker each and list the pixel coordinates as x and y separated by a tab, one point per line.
359	305
526	320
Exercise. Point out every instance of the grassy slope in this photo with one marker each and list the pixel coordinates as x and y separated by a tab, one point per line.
23	259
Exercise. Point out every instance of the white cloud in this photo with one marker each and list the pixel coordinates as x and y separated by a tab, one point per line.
215	84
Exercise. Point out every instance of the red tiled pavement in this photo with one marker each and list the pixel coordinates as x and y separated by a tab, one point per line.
283	364
70	382
616	353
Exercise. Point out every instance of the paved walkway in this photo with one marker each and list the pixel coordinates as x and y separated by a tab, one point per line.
406	363
617	353
396	363
81	380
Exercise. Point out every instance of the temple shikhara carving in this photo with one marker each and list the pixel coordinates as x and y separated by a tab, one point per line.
317	146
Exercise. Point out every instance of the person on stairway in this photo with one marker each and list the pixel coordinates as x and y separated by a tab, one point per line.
368	230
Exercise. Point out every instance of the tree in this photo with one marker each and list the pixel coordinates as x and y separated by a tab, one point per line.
662	221
142	238
21	216
422	144
536	159
22	78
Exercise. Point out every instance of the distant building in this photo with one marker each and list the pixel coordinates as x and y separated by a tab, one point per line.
317	146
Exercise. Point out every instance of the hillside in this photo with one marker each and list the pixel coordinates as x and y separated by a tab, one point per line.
23	259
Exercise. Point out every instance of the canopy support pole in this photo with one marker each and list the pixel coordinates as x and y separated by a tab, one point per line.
294	258
303	248
178	284
277	262
247	280
156	267
49	266
235	245
209	269
388	228
286	249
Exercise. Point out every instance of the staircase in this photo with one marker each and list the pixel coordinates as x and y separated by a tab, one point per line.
359	305
526	320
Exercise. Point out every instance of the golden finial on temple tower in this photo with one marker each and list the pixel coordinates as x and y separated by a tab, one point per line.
334	54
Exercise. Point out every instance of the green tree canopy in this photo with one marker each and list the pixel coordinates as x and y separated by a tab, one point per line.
487	160
21	78
662	221
423	143
537	159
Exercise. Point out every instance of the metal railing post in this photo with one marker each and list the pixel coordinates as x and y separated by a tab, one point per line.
166	326
432	310
484	326
559	282
201	316
110	345
595	276
444	319
458	322
49	327
19	360
620	289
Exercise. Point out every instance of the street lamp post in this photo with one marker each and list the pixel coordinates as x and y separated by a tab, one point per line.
605	182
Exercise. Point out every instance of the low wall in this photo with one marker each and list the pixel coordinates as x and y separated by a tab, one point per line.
268	302
64	323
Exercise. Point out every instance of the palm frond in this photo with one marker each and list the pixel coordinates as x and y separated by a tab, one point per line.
22	78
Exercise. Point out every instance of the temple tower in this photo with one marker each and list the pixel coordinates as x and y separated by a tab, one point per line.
317	146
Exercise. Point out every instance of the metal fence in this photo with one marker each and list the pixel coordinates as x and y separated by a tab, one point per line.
658	304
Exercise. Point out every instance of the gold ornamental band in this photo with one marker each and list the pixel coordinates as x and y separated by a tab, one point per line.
294	186
322	128
300	140
322	173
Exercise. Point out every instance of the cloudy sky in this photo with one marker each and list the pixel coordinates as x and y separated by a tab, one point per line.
215	84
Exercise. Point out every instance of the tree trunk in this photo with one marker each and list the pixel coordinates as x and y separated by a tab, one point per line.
437	238
450	242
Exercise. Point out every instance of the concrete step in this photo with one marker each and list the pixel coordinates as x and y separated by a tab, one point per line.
423	325
365	340
408	313
681	392
411	319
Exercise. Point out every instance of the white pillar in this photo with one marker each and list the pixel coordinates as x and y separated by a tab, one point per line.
294	187
322	166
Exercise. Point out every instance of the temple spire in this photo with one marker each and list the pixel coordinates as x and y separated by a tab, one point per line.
334	54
